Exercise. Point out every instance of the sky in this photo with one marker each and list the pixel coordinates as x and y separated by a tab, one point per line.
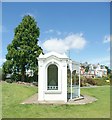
79	29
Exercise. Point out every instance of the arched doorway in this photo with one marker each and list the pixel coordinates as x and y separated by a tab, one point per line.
52	77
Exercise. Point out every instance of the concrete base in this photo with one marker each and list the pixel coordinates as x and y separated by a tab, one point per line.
85	99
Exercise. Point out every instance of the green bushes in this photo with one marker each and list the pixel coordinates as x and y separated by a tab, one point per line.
16	77
9	81
101	81
93	81
31	79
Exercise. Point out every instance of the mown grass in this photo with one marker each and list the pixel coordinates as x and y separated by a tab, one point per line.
14	94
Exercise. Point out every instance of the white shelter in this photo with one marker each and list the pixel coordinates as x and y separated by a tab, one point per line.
52	78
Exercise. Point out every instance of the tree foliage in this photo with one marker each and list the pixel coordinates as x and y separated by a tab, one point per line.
24	49
87	68
108	70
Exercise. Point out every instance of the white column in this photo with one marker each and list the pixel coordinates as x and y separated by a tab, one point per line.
79	83
71	85
41	82
71	78
64	82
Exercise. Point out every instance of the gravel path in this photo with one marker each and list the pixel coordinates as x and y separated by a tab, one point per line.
83	100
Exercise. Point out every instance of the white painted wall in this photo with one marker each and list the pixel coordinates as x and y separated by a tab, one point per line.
52	95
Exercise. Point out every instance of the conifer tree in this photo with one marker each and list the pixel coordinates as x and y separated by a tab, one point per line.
24	49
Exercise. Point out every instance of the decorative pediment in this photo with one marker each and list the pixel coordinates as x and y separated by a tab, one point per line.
53	54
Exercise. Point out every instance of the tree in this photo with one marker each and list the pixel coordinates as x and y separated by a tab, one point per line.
108	70
24	49
87	68
0	74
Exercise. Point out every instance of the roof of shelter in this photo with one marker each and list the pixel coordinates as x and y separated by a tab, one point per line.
49	54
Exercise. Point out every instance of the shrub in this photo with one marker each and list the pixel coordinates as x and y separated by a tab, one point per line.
83	81
94	81
104	78
3	76
31	79
35	83
91	81
9	80
100	82
16	77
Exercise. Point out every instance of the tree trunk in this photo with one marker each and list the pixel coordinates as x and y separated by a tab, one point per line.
23	74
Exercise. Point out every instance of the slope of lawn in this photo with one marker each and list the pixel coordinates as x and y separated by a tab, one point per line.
14	94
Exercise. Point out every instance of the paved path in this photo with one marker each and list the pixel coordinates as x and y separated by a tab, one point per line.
95	86
85	100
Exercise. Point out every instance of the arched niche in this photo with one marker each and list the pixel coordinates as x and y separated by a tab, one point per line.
52	77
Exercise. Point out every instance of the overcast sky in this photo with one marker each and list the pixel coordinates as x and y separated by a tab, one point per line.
81	28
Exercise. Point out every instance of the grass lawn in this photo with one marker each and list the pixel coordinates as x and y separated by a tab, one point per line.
14	94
